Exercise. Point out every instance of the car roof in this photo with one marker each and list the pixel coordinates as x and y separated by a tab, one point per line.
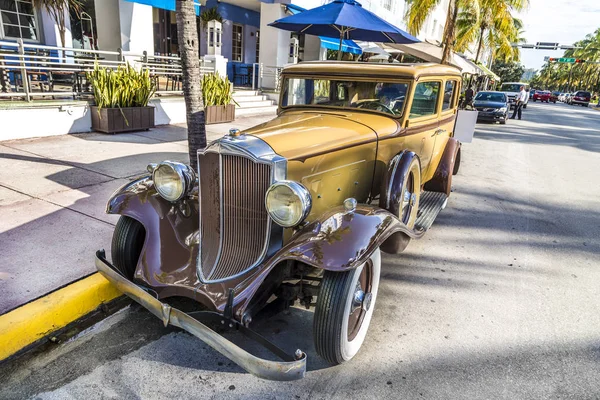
490	91
353	68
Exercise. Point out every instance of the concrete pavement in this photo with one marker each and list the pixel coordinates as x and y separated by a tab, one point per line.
499	300
53	192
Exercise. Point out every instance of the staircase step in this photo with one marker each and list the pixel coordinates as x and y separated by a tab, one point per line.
254	104
430	205
242	93
255	110
246	99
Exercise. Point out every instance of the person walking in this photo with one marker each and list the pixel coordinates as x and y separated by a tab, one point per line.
521	99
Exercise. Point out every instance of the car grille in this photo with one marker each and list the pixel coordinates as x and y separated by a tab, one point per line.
234	223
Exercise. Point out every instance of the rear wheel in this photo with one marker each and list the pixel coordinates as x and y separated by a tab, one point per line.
127	242
344	310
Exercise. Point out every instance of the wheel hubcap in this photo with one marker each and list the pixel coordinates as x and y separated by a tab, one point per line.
362	299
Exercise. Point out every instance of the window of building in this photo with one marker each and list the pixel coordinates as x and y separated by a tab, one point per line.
425	99
387	4
237	43
257	45
448	95
17	20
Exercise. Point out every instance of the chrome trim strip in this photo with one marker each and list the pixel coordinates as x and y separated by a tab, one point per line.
263	368
258	151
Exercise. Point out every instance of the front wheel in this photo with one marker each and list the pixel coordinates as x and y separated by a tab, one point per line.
344	310
127	242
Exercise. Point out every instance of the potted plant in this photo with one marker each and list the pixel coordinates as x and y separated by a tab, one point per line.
219	105
121	97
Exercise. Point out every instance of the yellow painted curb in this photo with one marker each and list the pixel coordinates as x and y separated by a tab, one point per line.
26	324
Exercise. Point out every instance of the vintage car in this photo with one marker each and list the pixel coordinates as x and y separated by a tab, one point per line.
358	160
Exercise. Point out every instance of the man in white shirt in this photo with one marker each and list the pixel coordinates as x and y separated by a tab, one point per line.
521	99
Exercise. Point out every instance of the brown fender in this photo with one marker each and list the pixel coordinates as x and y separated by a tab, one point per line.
392	192
442	179
340	240
164	263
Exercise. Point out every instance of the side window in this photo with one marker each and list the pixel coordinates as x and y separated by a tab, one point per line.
425	99
448	95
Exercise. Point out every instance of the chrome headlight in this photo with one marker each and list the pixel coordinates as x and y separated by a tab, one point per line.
288	203
502	110
173	180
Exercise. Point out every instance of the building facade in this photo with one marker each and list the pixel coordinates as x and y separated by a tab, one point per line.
138	26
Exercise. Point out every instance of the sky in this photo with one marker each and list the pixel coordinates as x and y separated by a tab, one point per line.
557	21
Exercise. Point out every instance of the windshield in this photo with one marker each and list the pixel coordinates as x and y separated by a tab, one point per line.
511	87
383	97
488	96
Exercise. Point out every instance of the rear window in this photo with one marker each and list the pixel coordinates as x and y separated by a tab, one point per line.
583	94
487	96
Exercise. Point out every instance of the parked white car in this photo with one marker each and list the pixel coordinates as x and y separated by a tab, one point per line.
512	89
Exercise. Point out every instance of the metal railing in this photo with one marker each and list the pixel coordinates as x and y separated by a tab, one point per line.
269	77
59	71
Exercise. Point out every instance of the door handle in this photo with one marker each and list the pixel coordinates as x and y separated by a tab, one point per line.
438	132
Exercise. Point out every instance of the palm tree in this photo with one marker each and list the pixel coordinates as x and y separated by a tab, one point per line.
59	11
417	13
187	35
491	24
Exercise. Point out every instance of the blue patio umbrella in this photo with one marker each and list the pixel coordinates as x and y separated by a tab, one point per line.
346	19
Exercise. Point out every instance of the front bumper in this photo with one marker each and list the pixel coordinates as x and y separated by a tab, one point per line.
292	368
483	116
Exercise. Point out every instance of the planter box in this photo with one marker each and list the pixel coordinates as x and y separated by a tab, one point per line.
219	114
111	120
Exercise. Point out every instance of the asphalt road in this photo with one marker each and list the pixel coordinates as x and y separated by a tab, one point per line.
499	300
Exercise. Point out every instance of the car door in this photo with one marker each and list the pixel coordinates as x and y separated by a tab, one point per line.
423	121
446	123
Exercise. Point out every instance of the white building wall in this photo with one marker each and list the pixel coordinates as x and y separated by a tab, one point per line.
137	31
275	43
108	24
51	34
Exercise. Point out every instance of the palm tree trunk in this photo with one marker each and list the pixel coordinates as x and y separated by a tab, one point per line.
187	35
480	43
450	31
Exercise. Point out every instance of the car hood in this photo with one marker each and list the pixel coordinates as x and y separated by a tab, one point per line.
297	134
489	104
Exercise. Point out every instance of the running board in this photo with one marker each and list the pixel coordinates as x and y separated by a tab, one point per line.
430	205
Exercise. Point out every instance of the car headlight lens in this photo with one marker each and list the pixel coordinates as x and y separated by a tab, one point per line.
288	203
502	109
173	180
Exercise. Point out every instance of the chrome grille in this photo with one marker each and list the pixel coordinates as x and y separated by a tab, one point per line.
234	223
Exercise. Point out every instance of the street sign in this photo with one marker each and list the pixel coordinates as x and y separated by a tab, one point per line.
546	46
566	60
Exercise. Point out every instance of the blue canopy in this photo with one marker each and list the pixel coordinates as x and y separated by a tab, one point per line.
163	4
348	46
344	19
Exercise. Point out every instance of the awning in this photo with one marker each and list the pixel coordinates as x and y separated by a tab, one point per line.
164	4
432	53
371	47
348	46
489	73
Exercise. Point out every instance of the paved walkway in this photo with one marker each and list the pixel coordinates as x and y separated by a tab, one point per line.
52	196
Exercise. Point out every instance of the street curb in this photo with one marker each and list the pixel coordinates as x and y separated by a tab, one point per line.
31	322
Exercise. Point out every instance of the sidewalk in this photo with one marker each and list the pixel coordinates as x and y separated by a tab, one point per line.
52	196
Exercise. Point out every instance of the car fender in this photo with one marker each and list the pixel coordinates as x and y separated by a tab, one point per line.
341	239
397	170
167	225
442	178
